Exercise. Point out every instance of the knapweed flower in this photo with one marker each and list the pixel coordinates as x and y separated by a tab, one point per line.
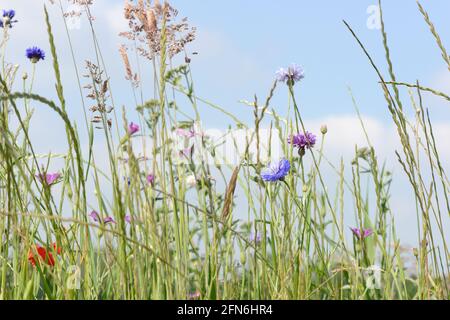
96	217
44	254
48	178
291	75
276	170
361	233
302	141
35	54
133	128
7	18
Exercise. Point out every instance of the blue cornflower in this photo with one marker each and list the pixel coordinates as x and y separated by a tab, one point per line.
276	171
35	54
291	75
7	18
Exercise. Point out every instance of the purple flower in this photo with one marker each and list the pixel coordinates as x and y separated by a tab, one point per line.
302	141
48	178
128	218
109	220
151	179
276	171
7	18
362	233
291	75
35	54
133	128
96	217
255	237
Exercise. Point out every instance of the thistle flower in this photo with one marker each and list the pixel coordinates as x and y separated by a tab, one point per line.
362	233
48	178
302	141
291	75
35	54
276	171
7	18
133	128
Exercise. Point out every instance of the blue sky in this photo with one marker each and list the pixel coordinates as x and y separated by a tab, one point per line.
242	43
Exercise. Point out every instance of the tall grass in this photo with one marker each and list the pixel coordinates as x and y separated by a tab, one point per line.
177	234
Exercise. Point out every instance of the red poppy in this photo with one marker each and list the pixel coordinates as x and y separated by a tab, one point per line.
44	254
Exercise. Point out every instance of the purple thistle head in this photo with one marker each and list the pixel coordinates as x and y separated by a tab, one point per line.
35	54
276	170
151	179
7	18
302	141
291	75
48	178
133	128
362	233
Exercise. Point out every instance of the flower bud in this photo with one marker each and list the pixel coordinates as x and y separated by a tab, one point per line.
324	129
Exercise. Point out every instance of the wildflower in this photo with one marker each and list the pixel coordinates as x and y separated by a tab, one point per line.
7	18
194	295
191	181
324	129
255	237
302	141
187	152
35	54
44	254
133	128
151	179
362	233
276	171
48	178
185	133
96	217
128	218
109	220
291	75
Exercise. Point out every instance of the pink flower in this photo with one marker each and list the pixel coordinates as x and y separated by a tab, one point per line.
185	133
133	128
48	178
151	179
362	233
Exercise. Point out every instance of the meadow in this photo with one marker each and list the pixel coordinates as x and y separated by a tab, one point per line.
147	206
